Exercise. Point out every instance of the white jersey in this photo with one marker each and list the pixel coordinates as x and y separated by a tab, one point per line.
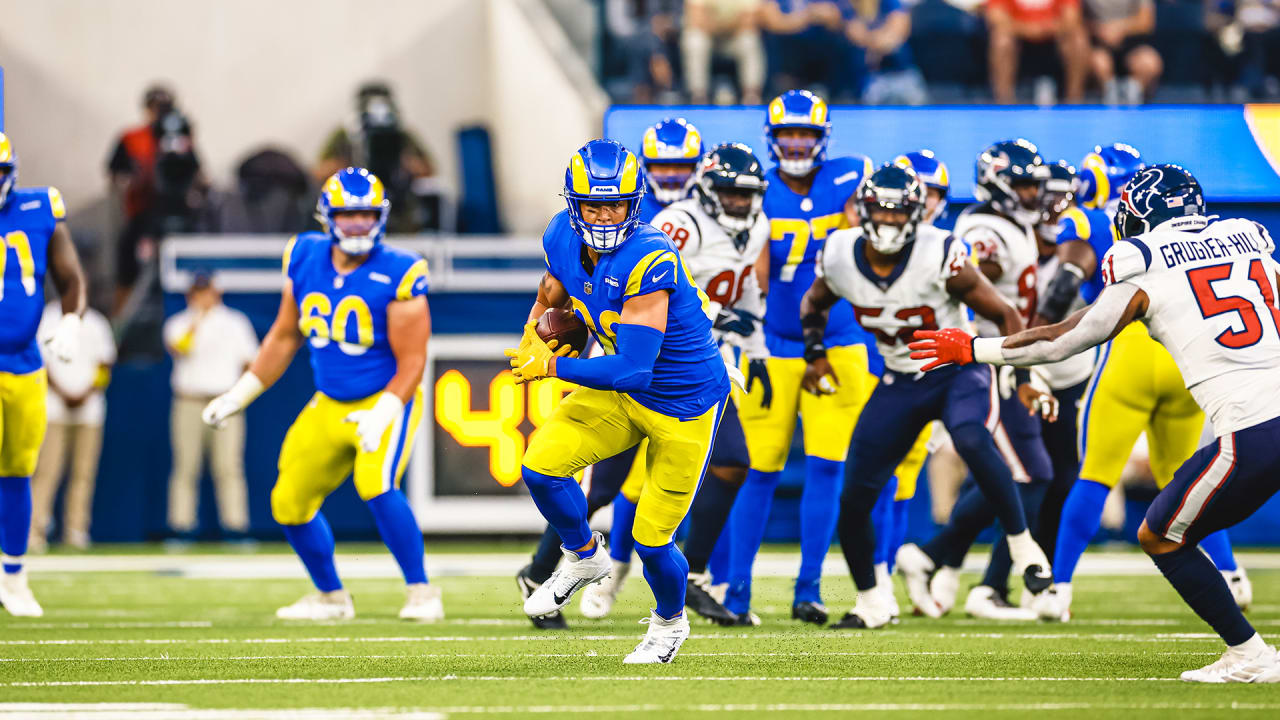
1212	303
913	297
1077	368
995	238
722	267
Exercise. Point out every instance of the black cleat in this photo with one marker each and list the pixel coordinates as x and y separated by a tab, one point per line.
554	621
1036	579
849	622
810	612
699	600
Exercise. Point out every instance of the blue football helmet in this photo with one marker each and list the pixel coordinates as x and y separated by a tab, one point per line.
1155	195
892	187
729	168
603	170
1002	166
353	190
1105	171
1059	192
8	164
677	144
933	173
797	109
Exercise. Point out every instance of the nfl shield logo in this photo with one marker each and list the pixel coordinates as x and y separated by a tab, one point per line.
586	287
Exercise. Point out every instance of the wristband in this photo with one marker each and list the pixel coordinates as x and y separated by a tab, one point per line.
988	350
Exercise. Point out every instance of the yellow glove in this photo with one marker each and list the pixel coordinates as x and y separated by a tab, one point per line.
532	360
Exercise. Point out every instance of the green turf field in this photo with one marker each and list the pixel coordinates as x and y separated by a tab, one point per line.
159	643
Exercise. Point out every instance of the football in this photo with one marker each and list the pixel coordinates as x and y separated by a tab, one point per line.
564	326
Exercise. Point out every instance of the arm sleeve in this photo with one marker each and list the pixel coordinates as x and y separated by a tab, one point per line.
1099	321
630	369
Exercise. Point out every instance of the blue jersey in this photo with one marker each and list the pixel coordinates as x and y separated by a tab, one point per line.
798	228
27	221
344	317
649	207
689	375
1094	227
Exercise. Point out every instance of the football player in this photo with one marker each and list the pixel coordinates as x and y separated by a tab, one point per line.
806	200
1207	290
1136	387
899	275
662	379
669	155
1009	177
361	306
34	240
720	233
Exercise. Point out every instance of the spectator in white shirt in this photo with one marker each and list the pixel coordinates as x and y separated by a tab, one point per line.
76	407
211	346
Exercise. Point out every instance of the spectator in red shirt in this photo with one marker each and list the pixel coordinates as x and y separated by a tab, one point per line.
1021	28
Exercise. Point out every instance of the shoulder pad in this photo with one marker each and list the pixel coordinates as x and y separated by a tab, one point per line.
1125	260
57	208
848	169
678	224
1074	225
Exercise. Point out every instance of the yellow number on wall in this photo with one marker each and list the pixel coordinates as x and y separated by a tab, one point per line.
497	428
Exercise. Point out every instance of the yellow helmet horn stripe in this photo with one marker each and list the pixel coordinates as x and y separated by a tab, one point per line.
630	174
776	111
650	143
692	143
578	169
6	149
818	113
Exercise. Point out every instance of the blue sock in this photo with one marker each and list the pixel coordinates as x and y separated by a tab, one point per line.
399	530
882	518
819	508
1218	545
719	563
15	520
561	502
746	526
621	542
1203	589
900	509
668	574
1081	516
313	541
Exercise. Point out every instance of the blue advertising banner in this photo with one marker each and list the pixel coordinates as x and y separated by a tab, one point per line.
1231	148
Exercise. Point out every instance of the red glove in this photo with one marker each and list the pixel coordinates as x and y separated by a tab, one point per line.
944	347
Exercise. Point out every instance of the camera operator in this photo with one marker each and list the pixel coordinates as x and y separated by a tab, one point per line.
377	139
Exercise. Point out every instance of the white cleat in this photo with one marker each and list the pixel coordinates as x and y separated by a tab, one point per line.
1054	604
1239	667
884	586
985	603
425	603
334	605
915	567
944	586
661	642
1030	563
1241	588
869	612
573	574
598	599
16	596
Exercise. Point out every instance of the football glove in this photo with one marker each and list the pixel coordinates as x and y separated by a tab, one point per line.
950	346
738	322
232	401
372	424
758	370
65	342
532	360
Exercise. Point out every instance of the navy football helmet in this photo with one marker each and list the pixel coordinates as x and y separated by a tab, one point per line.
731	168
892	187
1004	166
1155	195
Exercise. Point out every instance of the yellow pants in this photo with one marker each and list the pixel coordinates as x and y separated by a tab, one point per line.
321	450
590	425
22	421
1136	387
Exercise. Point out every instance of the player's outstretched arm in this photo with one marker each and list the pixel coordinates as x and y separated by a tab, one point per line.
819	377
274	355
68	277
639	334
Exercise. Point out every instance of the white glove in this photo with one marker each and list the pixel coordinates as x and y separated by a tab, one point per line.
232	401
1047	403
65	342
372	424
1005	382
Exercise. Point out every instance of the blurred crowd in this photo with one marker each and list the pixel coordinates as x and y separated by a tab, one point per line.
909	52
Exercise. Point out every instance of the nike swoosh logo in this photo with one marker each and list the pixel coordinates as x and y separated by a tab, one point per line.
667	657
656	278
559	599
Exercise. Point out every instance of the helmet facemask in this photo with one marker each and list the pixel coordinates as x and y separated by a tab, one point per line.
597	220
900	213
670	181
357	235
796	149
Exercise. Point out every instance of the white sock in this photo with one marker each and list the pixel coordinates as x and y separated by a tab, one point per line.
1252	646
1024	551
868	598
